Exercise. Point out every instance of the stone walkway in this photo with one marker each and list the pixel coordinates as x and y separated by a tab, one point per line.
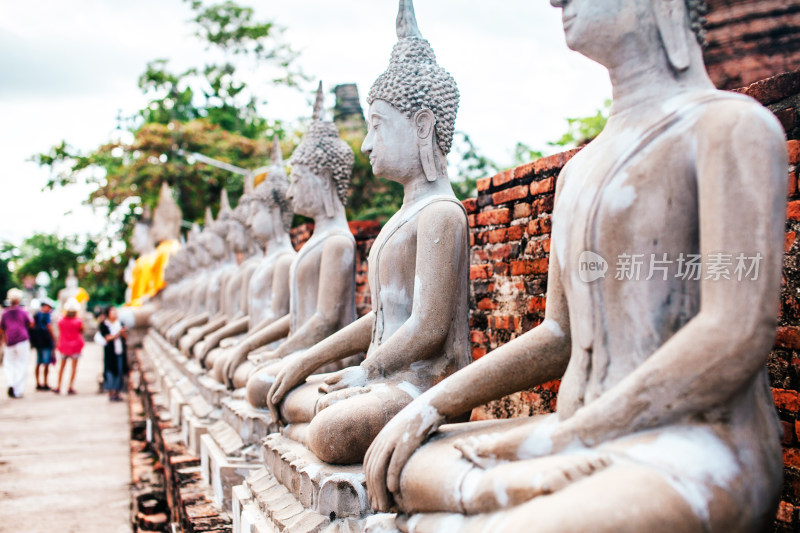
64	460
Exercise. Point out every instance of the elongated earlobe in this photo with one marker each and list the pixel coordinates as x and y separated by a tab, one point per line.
327	196
428	159
424	120
671	20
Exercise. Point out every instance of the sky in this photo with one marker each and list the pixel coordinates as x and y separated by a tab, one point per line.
68	68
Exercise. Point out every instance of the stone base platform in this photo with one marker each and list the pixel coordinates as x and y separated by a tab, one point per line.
249	471
252	424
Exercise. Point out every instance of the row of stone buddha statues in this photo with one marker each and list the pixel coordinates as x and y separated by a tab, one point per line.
665	421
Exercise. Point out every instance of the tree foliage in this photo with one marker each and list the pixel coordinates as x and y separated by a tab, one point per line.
49	254
580	131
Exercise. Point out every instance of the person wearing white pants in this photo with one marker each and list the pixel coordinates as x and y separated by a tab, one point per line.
15	364
14	326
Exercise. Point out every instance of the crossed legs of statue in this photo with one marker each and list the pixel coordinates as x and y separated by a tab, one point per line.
612	488
338	427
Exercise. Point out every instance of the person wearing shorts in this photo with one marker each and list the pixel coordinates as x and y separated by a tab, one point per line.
42	339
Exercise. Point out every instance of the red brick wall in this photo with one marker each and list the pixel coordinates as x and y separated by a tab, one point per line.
751	40
365	233
510	238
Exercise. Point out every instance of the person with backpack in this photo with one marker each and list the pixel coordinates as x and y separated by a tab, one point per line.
42	339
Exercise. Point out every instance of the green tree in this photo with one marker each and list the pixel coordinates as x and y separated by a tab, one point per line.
46	253
582	130
470	166
5	278
208	108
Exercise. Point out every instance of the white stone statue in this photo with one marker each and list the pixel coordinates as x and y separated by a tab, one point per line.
418	273
665	419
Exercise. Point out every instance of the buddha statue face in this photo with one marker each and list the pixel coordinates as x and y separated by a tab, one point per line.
140	238
215	245
307	191
393	141
260	222
237	236
598	29
616	32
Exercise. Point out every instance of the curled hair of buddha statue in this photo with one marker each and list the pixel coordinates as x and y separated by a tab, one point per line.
272	191
322	150
415	81
697	10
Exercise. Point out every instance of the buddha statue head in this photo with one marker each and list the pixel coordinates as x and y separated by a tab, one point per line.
141	238
189	250
412	109
71	282
322	166
238	235
615	32
270	214
175	268
167	217
214	235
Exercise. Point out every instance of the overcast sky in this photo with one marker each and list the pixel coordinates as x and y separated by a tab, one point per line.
67	67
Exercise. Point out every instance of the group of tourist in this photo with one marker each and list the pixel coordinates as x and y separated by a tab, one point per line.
19	332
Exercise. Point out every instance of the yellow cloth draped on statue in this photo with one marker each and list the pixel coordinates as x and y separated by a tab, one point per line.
148	272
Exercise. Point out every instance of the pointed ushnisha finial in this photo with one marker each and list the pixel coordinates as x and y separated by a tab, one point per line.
209	217
277	155
319	103
224	203
407	21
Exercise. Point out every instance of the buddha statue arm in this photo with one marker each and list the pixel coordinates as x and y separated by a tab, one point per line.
741	169
212	340
279	297
335	287
275	331
348	341
538	356
279	300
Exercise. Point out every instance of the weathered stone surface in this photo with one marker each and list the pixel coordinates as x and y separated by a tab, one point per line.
331	490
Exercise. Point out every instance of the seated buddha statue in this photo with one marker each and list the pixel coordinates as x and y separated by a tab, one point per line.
322	274
665	421
269	220
417	333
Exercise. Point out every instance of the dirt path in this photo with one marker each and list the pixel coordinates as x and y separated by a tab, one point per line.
64	460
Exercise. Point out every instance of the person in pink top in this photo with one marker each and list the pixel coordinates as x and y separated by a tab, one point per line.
70	342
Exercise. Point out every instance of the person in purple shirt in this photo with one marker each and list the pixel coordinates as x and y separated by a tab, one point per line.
14	326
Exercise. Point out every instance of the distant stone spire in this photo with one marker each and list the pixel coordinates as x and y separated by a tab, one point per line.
319	103
277	155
